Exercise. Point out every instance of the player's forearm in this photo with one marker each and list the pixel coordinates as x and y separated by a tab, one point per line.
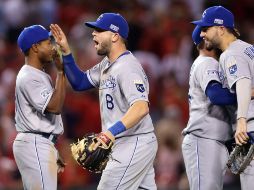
56	102
135	114
219	95
243	91
77	78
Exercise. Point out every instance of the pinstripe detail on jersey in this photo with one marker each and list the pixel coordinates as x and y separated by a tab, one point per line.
128	164
198	165
90	79
35	145
142	188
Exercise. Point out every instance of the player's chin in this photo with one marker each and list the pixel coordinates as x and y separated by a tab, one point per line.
102	51
50	59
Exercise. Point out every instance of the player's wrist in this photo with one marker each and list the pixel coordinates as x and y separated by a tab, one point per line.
106	138
117	128
241	119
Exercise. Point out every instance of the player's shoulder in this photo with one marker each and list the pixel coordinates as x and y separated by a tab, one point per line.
238	50
237	47
28	73
129	62
203	61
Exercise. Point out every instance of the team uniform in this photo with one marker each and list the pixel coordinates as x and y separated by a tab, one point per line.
237	62
204	152
121	84
33	148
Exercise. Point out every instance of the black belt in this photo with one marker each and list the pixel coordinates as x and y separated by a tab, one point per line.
50	136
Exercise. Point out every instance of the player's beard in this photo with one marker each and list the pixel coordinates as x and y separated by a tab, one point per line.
209	46
104	48
46	58
212	43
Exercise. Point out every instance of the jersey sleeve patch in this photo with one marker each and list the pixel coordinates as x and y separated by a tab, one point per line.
231	65
212	72
139	85
45	93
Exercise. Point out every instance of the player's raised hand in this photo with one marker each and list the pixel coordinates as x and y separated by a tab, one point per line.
241	135
60	38
57	58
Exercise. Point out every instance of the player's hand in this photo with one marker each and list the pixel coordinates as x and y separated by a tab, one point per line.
57	59
104	137
241	136
60	163
60	38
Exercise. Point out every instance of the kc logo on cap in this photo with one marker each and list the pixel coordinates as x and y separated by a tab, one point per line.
113	22
216	16
32	35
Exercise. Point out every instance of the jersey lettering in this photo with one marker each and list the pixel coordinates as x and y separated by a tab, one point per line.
249	52
109	101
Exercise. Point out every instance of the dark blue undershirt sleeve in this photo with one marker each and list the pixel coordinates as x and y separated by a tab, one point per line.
219	95
77	78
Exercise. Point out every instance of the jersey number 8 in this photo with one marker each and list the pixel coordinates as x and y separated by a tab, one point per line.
109	101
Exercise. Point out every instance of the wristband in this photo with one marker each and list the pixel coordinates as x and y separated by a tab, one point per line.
68	59
117	128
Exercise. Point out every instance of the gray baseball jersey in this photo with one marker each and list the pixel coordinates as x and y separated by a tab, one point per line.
235	63
204	155
120	85
205	120
33	92
34	152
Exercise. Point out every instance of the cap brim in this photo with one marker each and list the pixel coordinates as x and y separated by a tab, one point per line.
196	35
94	25
201	23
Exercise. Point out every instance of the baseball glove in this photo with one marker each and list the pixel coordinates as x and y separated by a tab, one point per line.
241	156
94	160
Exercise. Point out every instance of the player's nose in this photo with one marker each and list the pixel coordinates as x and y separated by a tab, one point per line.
202	34
94	33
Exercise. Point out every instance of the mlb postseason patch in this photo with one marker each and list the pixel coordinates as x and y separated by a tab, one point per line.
139	85
231	65
212	72
45	93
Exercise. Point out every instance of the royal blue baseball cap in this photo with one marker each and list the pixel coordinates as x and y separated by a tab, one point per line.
113	22
216	16
196	35
32	35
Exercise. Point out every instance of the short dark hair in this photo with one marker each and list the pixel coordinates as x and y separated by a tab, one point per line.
125	41
26	53
234	31
201	45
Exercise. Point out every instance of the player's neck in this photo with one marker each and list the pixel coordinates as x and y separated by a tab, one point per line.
115	52
34	62
227	41
207	53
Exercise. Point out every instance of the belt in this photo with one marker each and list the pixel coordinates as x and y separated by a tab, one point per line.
52	137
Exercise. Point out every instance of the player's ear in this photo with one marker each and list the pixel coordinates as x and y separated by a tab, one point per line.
34	48
115	37
222	30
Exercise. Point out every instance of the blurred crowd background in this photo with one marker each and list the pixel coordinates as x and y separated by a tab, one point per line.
160	37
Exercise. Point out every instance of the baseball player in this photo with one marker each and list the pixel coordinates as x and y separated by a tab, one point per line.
124	106
236	71
204	152
38	106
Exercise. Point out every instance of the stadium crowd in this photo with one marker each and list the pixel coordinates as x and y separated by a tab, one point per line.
160	37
